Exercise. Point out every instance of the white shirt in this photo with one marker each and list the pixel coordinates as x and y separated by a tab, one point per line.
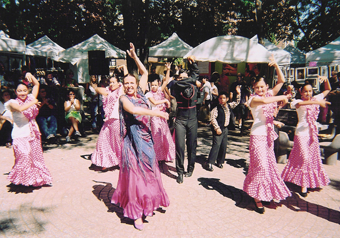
207	89
259	125
302	127
21	126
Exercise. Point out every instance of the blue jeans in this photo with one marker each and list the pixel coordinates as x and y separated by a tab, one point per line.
47	125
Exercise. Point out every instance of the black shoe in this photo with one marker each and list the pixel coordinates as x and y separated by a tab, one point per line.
209	167
219	165
303	194
179	178
188	174
259	210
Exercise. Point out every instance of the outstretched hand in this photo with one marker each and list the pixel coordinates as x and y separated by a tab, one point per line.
162	114
322	79
168	66
132	52
191	59
272	61
324	103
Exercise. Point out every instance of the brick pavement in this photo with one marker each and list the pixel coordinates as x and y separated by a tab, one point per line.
209	204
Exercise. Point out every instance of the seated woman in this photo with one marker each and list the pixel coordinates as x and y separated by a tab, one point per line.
46	118
72	107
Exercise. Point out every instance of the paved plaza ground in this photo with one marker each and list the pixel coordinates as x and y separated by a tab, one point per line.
208	204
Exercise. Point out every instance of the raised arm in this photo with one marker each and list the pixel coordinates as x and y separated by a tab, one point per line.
132	109
144	79
34	81
280	77
167	76
323	79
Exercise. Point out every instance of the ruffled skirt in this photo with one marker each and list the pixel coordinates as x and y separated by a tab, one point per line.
263	180
140	189
29	168
304	167
108	151
164	144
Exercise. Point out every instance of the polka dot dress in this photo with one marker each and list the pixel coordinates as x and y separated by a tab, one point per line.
29	168
108	151
304	167
263	180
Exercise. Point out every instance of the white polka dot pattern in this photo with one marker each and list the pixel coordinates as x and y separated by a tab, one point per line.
163	142
29	168
304	167
108	151
263	180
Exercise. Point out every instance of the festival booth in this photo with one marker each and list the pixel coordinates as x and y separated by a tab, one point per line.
229	55
282	57
297	57
41	55
328	55
173	47
11	52
78	56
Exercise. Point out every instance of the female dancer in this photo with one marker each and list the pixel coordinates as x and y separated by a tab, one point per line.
108	151
164	145
304	167
139	190
29	168
263	181
72	107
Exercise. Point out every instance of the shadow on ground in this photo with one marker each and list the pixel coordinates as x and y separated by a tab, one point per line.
241	198
15	225
104	193
296	203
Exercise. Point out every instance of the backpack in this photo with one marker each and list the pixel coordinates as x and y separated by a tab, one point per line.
186	89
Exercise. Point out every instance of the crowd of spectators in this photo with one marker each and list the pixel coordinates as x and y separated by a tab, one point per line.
54	117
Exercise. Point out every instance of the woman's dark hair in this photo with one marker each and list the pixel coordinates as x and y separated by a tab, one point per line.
260	78
20	83
214	77
306	84
70	90
5	91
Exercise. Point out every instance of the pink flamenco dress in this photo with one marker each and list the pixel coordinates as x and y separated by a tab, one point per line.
304	167
108	151
29	168
263	180
140	189
164	144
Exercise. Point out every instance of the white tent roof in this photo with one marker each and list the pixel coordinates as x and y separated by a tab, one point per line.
328	54
78	55
230	49
282	57
296	56
173	47
10	45
44	47
78	52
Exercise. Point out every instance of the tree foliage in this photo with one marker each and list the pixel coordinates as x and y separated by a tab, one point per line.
312	23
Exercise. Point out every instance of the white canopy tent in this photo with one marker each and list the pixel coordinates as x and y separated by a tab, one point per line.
10	45
44	47
173	47
296	56
78	55
230	49
282	57
326	55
